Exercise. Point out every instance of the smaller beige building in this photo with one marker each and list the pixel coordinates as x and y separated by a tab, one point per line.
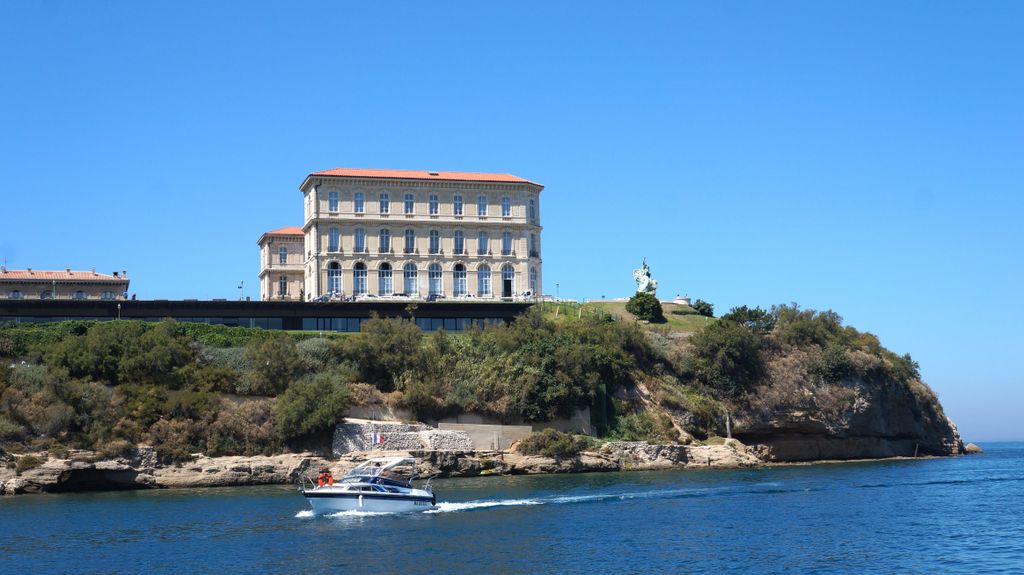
64	284
281	264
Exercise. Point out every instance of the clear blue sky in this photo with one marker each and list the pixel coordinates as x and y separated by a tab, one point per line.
866	157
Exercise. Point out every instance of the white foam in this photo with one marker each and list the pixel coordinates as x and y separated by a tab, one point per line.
449	507
357	513
305	514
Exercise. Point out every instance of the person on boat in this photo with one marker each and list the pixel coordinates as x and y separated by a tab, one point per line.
321	479
329	478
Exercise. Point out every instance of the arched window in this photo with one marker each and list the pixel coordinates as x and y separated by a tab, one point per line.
533	282
359	278
434	286
16	294
460	243
385	203
332	201
506	207
508	281
506	243
409	274
459	277
410	204
47	294
482	244
410	241
333	279
282	255
384	283
435	241
282	285
457	205
483	281
360	202
108	295
360	240
433	204
532	212
385	241
333	239
78	295
481	205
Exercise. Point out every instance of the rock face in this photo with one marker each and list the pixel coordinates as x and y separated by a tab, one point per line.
881	420
80	472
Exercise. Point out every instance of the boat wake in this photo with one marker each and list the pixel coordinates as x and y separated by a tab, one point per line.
305	514
449	507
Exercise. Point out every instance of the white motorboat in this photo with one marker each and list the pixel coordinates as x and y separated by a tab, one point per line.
378	485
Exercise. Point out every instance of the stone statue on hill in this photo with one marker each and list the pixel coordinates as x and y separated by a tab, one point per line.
644	282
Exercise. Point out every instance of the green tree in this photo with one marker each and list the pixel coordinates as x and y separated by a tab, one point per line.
384	350
704	308
645	307
757	319
275	364
313	404
727	358
802	327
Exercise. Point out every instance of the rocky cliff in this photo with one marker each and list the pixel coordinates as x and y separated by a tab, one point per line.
859	419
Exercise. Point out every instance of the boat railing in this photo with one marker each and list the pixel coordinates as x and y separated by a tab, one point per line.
427	486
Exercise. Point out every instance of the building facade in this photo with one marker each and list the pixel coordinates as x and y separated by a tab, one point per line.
420	235
62	285
282	265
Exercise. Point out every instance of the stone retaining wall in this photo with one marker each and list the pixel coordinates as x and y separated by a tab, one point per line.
349	437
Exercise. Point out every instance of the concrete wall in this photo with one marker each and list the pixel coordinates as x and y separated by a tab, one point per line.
486	436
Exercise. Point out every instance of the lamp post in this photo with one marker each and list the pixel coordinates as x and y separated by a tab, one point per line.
118	311
241	290
54	289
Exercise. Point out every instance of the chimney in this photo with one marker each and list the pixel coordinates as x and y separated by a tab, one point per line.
93	270
115	274
67	270
124	273
29	271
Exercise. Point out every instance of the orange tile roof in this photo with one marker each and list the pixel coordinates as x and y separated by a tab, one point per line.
286	231
423	175
62	275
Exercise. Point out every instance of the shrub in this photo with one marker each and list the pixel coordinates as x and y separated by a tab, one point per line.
806	327
727	358
552	443
26	462
275	363
642	426
116	448
645	307
316	353
683	311
383	351
313	404
757	319
243	429
704	308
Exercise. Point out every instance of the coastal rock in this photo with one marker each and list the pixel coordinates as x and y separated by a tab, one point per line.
636	455
972	448
878	419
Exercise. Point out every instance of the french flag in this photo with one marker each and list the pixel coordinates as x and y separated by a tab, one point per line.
378	439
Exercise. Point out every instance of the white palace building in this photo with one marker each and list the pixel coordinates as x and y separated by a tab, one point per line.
407	234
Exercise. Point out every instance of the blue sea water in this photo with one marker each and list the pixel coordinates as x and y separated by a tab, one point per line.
951	515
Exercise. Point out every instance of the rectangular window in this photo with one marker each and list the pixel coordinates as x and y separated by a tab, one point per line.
332	201
409	204
360	240
433	204
460	243
385	241
410	241
506	243
435	241
506	207
481	206
457	205
282	255
385	204
360	203
482	244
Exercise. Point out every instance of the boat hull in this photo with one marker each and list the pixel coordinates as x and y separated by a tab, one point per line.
326	502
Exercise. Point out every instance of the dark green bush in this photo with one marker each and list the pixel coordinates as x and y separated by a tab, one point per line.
704	308
311	405
275	363
552	443
727	358
645	307
757	319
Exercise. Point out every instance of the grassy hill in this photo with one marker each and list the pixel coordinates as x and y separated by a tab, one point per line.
690	322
